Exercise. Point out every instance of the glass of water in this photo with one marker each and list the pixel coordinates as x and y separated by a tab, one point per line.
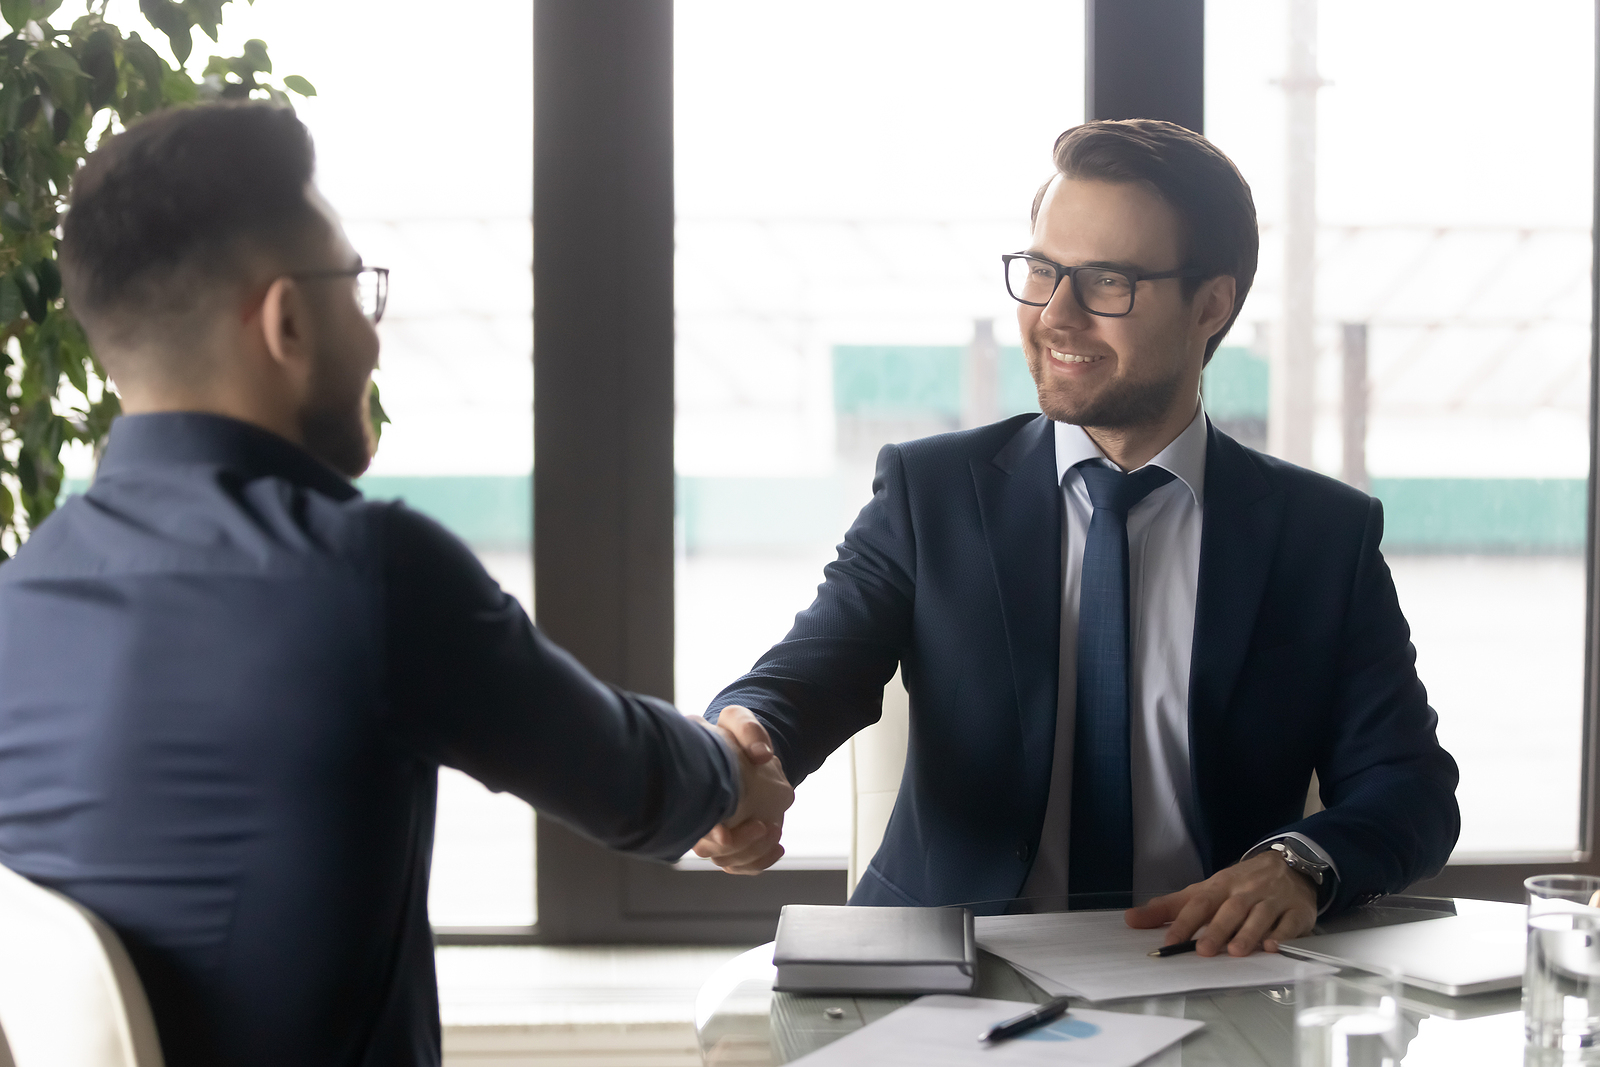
1561	987
1348	1019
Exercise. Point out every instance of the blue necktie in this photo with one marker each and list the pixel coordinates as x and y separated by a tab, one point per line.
1100	869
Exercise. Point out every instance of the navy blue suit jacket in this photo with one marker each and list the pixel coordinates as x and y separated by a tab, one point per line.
1302	661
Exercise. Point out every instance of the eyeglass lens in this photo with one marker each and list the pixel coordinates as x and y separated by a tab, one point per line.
1033	281
372	288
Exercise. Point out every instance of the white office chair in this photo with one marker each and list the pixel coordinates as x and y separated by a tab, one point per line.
69	996
878	759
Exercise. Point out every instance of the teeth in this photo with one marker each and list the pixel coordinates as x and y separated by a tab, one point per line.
1067	357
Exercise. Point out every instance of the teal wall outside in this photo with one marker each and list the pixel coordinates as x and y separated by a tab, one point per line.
1235	384
484	510
1483	514
897	381
1534	515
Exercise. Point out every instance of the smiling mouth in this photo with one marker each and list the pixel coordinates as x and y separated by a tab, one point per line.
1068	357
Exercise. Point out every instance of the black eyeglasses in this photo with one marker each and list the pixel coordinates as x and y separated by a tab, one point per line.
372	287
1099	290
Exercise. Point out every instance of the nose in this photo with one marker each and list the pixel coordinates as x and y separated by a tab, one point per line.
1064	312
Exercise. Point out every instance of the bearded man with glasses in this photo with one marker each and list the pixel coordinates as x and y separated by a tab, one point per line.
1128	640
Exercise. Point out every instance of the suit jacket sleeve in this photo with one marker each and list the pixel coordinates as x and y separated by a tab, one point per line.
472	684
824	681
1391	816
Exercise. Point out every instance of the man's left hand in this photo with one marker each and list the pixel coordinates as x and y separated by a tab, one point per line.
1254	904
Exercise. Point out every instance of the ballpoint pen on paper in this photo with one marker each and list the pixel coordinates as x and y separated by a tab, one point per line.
1173	950
1047	1012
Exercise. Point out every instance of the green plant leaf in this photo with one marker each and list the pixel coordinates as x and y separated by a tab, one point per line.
8	507
173	21
144	59
99	62
27	472
375	413
298	84
256	52
16	12
50	57
49	275
10	302
14	218
28	287
207	14
72	365
178	88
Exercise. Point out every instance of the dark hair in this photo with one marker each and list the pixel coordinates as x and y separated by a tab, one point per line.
181	201
1190	173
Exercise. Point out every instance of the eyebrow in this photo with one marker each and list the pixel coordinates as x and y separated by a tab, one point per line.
1108	264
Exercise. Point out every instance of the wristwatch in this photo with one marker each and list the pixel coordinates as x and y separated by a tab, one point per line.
1300	860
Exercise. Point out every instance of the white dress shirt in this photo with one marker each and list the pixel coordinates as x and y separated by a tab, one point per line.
1163	579
1163	574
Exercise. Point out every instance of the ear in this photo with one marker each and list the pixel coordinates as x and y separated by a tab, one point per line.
1213	303
286	329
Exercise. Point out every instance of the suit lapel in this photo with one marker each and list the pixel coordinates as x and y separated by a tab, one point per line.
1238	539
1020	504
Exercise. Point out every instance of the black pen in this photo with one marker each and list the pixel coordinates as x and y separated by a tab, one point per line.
1047	1012
1173	950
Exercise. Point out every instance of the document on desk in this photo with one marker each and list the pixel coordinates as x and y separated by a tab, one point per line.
942	1031
1094	955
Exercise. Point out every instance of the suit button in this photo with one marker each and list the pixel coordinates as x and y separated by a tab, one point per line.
1023	852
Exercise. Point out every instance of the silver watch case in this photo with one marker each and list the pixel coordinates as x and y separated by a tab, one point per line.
1311	867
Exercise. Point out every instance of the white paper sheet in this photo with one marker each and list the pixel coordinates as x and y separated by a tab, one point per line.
942	1031
1094	955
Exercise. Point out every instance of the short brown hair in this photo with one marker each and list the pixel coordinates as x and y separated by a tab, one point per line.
1188	172
181	202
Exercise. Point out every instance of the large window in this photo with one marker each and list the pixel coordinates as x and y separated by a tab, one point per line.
1421	326
848	175
439	193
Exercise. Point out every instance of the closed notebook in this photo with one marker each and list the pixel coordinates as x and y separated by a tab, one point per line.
825	949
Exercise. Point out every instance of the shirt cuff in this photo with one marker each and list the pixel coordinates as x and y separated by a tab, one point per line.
1311	847
730	758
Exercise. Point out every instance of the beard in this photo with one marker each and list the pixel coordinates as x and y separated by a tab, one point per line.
1121	404
337	429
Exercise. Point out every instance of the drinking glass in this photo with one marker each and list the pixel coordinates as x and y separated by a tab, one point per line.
1561	987
1348	1019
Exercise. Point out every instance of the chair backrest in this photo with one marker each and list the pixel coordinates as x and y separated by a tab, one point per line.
69	996
877	760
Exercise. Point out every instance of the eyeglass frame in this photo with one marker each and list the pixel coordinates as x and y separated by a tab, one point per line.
1134	277
380	273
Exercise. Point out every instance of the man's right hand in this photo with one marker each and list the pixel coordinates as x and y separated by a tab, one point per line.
749	841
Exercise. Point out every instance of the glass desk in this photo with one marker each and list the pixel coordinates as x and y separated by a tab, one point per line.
741	1022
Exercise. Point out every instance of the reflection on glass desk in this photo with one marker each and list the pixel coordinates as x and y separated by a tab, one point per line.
741	1022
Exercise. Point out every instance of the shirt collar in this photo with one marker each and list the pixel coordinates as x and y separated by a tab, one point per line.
172	438
1185	456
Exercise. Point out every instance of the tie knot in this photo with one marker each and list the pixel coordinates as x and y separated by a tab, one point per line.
1112	490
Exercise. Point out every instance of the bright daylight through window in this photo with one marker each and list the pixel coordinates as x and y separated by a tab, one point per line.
1451	257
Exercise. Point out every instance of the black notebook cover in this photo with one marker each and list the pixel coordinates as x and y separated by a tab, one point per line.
825	949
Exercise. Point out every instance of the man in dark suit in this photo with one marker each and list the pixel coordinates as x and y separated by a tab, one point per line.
230	681
1128	640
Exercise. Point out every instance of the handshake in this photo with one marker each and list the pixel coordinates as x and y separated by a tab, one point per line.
749	841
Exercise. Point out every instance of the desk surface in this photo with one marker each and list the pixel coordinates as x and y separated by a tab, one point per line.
741	1022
